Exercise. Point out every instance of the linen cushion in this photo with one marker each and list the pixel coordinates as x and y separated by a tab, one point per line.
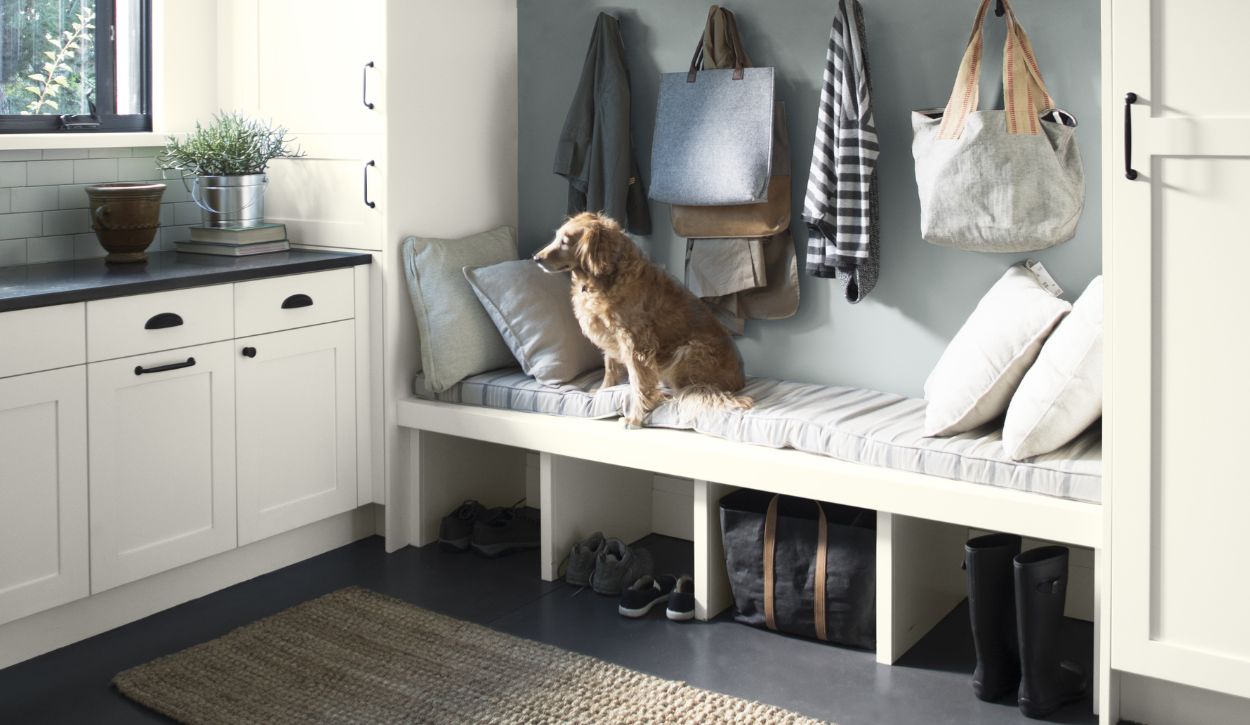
1061	395
457	337
983	365
533	310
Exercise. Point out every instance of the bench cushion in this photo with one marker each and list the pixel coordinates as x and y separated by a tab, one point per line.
850	424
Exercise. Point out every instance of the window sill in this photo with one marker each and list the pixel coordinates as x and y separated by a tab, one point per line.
25	141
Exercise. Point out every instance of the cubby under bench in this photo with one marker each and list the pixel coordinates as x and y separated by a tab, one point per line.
597	475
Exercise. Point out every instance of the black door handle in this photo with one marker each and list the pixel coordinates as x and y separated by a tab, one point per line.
1129	172
140	370
294	301
368	202
364	86
249	352
163	320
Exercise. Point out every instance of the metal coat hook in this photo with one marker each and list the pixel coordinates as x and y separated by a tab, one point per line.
999	10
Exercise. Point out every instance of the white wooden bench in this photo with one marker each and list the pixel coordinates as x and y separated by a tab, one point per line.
597	475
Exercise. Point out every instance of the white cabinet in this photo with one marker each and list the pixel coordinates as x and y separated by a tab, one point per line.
296	427
1177	343
162	461
43	490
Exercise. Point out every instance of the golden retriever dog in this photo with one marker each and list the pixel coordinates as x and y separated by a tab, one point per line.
648	326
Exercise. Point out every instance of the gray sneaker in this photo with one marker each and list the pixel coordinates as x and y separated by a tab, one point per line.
581	561
617	566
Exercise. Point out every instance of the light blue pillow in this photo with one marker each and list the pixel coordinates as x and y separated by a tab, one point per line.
533	310
457	337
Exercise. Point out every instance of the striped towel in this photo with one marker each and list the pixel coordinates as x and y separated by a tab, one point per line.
841	205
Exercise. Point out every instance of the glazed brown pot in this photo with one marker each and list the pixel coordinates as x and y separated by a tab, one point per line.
125	217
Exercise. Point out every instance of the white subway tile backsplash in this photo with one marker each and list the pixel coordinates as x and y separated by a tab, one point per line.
167	214
137	169
49	249
148	151
21	155
94	171
12	251
186	212
60	154
176	233
69	221
176	191
113	153
13	173
20	226
72	196
48	173
86	246
5	196
35	198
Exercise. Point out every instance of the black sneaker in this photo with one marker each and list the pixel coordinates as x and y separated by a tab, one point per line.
456	528
681	601
513	529
644	594
581	560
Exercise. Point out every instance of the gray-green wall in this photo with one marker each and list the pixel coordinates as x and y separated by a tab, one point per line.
891	340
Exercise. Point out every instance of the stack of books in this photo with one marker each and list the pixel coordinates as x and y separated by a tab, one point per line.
236	241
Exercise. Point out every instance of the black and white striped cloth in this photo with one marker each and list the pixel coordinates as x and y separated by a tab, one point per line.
841	205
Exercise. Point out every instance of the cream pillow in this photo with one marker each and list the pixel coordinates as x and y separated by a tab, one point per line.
457	337
983	365
1061	395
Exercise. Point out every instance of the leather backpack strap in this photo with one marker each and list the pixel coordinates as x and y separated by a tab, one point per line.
721	28
770	574
822	574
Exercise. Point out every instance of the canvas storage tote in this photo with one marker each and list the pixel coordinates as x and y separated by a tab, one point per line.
713	134
802	567
998	181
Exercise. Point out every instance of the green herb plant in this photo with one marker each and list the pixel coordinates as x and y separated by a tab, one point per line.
231	145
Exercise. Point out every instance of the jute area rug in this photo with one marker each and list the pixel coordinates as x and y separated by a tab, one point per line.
356	656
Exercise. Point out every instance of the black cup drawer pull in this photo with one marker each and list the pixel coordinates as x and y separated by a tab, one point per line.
140	370
249	351
163	320
294	301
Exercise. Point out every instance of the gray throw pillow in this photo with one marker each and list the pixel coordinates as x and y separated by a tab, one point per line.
534	312
457	337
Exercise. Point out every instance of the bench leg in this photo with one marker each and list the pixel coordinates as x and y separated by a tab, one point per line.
919	580
711	582
580	497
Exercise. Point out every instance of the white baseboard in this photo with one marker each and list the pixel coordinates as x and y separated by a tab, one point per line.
1147	700
55	628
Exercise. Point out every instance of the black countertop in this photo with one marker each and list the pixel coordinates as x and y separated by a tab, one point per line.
81	280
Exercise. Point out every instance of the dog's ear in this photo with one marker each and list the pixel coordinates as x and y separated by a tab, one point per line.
596	249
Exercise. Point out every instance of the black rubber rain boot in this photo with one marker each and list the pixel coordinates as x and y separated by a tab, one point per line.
992	605
1046	683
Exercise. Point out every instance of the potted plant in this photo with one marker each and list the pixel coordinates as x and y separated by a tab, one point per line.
227	159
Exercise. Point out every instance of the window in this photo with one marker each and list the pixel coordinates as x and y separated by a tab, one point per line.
75	65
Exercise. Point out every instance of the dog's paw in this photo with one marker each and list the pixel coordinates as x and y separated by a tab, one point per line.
631	424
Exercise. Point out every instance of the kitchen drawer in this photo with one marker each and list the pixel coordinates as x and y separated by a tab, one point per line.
42	338
297	300
161	321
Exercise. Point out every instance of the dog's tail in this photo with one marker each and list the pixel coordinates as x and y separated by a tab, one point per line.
695	399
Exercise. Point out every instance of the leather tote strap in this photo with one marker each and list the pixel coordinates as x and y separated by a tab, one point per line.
822	559
1023	87
770	575
730	30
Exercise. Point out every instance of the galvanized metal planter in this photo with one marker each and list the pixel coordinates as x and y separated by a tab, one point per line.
230	201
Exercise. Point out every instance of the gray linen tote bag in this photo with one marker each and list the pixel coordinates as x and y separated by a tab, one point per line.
713	134
998	181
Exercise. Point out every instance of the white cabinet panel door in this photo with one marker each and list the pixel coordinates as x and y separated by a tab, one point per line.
162	461
43	491
323	199
296	428
1178	344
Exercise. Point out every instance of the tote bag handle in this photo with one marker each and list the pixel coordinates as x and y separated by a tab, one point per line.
730	24
770	574
1023	87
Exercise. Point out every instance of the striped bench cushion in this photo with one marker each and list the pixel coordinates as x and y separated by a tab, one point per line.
850	424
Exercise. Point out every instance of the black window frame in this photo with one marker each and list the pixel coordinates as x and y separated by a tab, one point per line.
106	119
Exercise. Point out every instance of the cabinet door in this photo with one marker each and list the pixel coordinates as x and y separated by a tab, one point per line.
43	491
161	460
1177	311
296	428
324	198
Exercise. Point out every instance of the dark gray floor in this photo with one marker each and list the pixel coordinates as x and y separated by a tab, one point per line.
930	684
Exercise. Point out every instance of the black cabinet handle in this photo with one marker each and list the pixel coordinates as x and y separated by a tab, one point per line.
140	370
249	352
163	320
364	86
1129	172
368	203
294	301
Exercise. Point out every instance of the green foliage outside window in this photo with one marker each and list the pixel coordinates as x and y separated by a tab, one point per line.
47	56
